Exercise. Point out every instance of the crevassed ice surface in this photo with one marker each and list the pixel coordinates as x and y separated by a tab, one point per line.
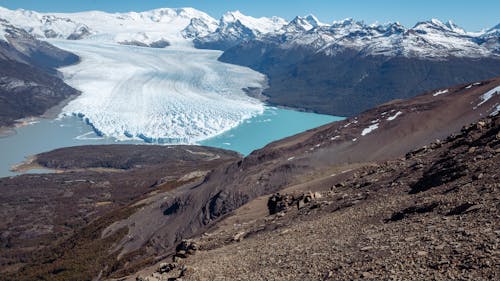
172	95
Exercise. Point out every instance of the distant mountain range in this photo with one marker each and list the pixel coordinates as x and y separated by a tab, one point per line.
429	39
341	68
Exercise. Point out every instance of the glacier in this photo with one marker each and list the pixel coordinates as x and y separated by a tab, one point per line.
173	95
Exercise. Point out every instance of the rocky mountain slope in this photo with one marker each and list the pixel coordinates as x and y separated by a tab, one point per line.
432	214
348	67
149	227
53	222
29	82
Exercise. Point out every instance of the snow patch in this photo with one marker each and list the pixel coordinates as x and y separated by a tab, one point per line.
369	129
390	118
440	92
3	33
488	95
495	111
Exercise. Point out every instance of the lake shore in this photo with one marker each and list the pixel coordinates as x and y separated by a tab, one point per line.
51	113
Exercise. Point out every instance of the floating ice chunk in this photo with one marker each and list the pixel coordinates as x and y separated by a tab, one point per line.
440	92
390	118
369	129
488	95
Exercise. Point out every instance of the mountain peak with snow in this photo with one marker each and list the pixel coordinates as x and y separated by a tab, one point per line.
429	39
259	25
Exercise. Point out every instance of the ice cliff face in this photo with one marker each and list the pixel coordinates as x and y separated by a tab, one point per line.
158	95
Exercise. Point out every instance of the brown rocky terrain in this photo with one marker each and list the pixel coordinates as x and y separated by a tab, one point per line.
30	85
224	202
431	215
321	154
52	222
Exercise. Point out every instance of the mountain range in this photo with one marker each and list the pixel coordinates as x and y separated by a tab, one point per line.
429	39
341	68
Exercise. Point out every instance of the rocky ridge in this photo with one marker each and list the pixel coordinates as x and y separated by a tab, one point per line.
29	81
432	214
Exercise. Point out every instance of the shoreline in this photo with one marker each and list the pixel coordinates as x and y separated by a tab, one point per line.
51	113
30	164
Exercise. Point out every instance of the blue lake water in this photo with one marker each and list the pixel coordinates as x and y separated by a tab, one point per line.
45	135
273	125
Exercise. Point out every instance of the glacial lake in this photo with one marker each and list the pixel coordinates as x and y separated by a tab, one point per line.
254	133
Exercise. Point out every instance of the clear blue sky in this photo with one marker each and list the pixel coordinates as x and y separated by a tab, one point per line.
473	15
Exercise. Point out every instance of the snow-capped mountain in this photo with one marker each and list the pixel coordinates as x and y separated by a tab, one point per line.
301	24
491	39
235	27
145	27
44	25
199	27
349	66
28	81
430	39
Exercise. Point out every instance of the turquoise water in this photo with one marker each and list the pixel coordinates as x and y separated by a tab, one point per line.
273	125
45	135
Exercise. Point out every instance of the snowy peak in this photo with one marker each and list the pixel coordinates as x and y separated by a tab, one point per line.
313	20
235	27
491	39
45	26
258	25
185	26
144	28
455	28
435	25
299	24
431	39
199	27
495	28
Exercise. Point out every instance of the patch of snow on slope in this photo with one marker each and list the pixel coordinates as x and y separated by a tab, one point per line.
173	95
488	95
495	111
369	129
390	118
2	34
440	92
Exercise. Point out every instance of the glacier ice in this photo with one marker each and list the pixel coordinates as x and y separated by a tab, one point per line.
172	95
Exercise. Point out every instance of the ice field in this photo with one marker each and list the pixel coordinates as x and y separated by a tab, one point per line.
173	95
